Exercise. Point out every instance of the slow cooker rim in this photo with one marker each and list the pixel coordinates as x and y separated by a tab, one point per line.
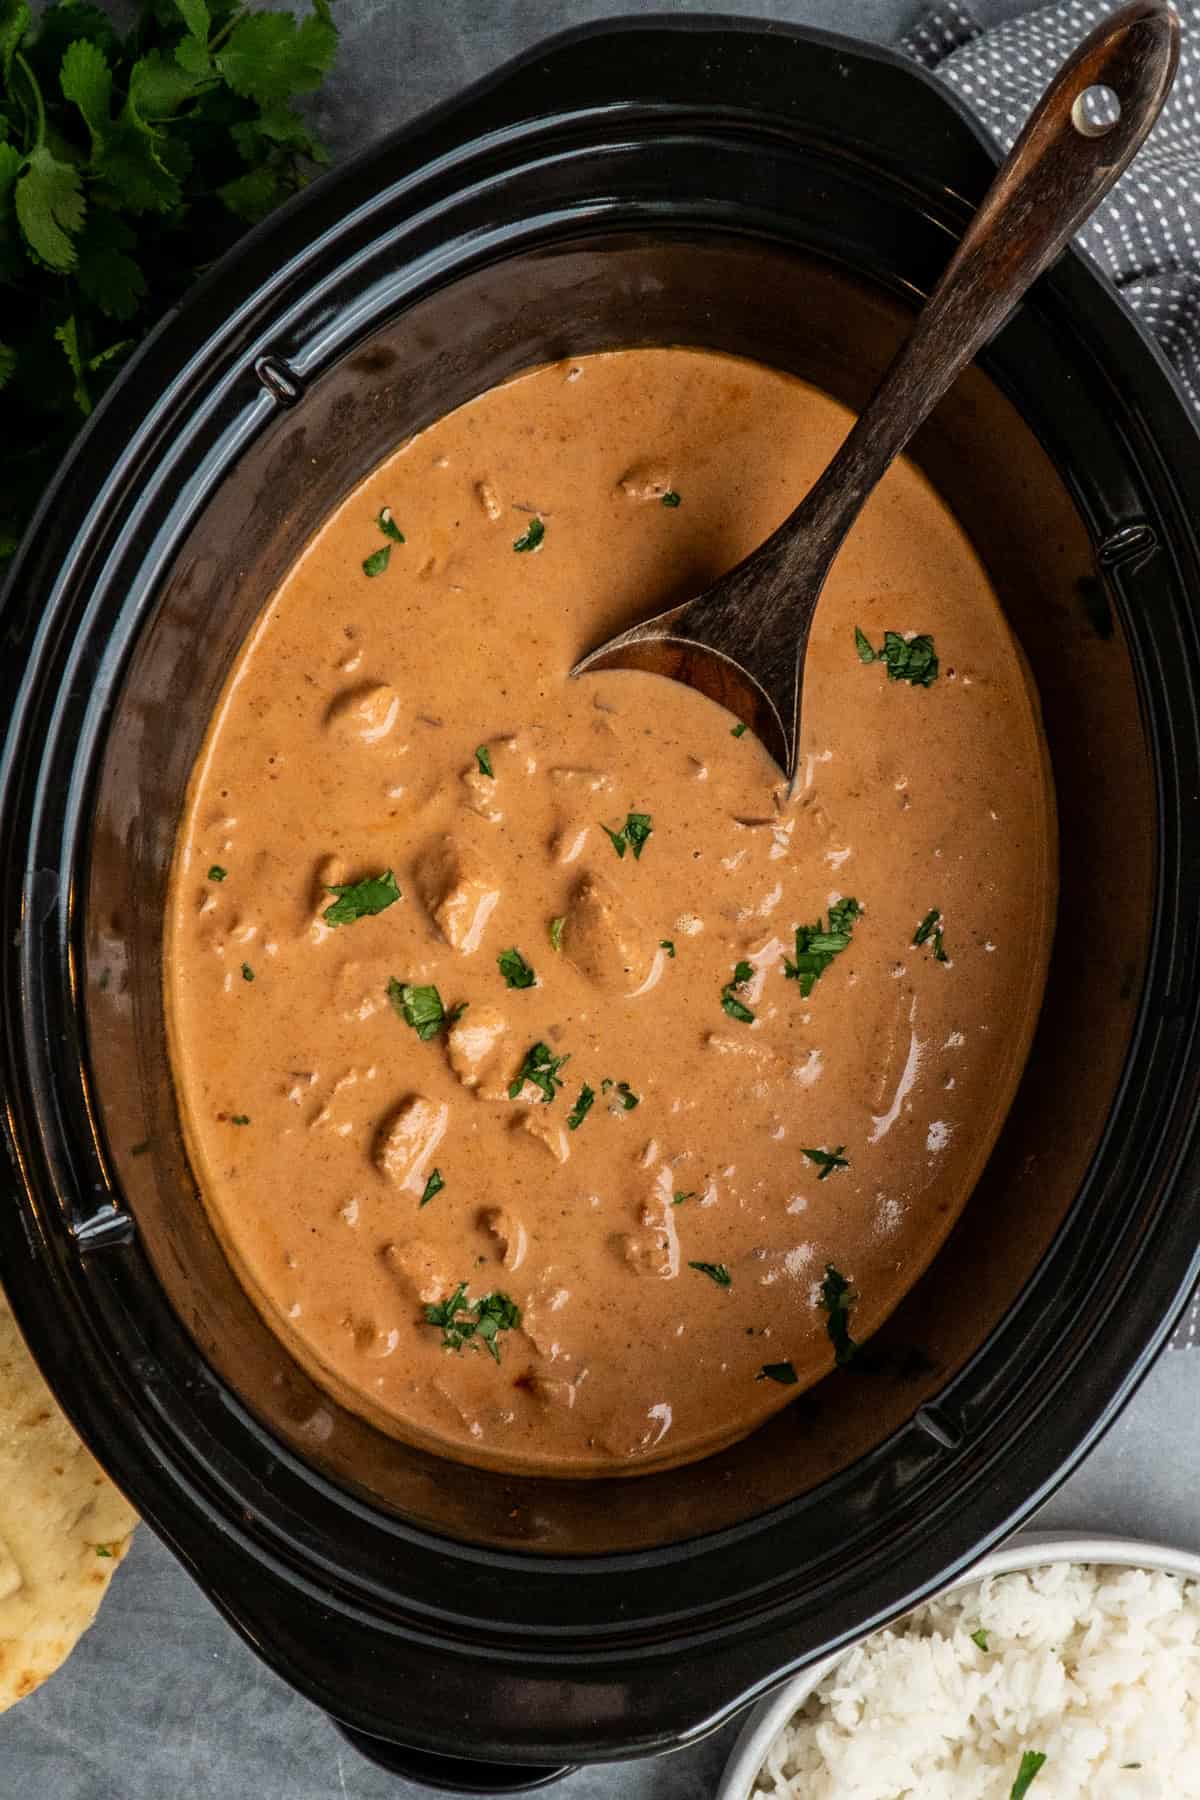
586	34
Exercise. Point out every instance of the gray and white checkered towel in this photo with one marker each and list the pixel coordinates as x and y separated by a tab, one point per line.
1146	236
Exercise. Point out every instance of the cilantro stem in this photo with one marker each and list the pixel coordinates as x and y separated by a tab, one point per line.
31	78
231	24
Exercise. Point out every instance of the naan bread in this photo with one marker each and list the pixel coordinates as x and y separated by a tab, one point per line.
63	1525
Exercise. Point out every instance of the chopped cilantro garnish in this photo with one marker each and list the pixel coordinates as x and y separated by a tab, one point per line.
420	1007
239	1118
980	1639
362	899
476	1322
907	659
816	945
484	759
837	1297
632	835
627	1097
247	972
742	972
1031	1763
540	1067
679	1197
715	1271
782	1372
826	1160
670	498
433	1186
667	945
581	1108
740	729
217	873
531	537
103	1550
388	525
516	971
931	927
378	560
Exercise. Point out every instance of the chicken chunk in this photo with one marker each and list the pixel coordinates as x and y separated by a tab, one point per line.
512	1239
481	795
419	1271
408	1139
475	1047
547	1131
459	892
363	715
604	937
646	481
653	1249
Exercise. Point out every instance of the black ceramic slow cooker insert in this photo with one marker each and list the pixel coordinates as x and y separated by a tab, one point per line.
760	190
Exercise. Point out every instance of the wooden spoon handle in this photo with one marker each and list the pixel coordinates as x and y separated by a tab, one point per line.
1058	170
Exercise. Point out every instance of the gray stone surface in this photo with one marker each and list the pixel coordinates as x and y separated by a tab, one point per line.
161	1701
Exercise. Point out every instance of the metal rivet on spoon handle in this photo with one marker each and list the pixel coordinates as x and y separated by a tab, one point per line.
743	640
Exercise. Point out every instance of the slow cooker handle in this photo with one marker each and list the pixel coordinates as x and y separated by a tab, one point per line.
452	1774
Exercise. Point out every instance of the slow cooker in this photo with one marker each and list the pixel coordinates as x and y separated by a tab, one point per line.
762	190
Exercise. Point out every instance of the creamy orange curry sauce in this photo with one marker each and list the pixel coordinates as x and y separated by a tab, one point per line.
566	1098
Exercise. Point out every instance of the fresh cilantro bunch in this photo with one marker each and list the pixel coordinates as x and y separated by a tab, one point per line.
128	163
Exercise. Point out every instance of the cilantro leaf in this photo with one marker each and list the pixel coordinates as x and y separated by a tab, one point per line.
679	1198
378	560
483	757
540	1067
247	972
715	1271
817	946
862	644
531	537
1031	1764
516	971
826	1160
671	498
15	21
361	899
269	56
581	1108
627	1097
108	277
50	207
632	835
433	1186
740	729
388	525
837	1297
239	1118
668	945
217	873
68	336
980	1639
931	927
913	659
420	1007
462	1321
742	973
86	79
782	1372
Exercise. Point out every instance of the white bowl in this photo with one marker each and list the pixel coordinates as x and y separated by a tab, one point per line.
1029	1550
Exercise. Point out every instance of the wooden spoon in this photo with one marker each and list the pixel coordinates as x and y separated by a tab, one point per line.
743	640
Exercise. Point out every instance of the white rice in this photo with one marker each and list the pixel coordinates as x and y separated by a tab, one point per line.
1099	1668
